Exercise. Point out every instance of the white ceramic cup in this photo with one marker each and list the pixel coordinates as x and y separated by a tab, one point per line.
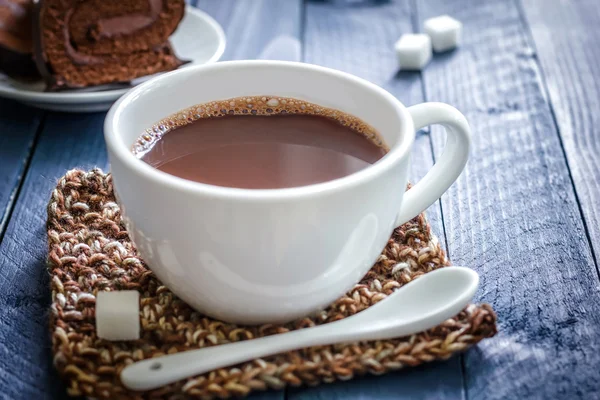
272	255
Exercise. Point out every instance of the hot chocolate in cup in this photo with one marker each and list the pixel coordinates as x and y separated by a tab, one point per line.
254	256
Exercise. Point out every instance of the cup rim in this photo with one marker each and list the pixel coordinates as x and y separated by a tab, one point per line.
120	150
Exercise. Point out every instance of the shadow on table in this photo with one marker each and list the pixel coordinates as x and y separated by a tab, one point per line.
434	380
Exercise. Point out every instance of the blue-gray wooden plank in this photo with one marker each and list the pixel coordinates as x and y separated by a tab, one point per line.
359	39
513	215
566	38
69	141
66	141
18	128
435	381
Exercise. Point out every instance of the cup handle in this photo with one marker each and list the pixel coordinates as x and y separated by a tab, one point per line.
450	165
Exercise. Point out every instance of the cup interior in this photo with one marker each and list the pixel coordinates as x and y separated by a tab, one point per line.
163	96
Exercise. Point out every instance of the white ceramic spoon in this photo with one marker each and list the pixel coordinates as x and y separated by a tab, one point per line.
422	304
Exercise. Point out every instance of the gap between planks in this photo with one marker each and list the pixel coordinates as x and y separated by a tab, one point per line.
547	94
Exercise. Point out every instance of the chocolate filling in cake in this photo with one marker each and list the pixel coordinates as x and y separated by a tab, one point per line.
81	43
16	59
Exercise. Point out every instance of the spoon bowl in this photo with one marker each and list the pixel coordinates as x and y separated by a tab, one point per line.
419	305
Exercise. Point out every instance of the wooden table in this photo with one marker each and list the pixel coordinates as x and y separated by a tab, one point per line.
525	214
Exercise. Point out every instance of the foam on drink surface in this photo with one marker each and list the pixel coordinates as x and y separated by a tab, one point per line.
252	105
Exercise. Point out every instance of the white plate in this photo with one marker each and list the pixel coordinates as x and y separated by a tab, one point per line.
198	38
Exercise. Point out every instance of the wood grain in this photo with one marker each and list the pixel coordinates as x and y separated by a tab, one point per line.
75	141
566	44
18	130
347	38
513	215
426	382
66	141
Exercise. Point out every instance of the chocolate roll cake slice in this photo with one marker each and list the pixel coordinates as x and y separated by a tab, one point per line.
16	58
84	43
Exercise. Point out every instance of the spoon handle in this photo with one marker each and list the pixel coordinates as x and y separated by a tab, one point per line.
155	372
420	305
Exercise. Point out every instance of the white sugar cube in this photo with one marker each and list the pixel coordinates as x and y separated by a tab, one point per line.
414	51
445	32
118	315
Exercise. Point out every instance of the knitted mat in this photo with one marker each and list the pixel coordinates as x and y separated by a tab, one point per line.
90	251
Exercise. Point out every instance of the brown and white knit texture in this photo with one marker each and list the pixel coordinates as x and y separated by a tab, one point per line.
90	251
